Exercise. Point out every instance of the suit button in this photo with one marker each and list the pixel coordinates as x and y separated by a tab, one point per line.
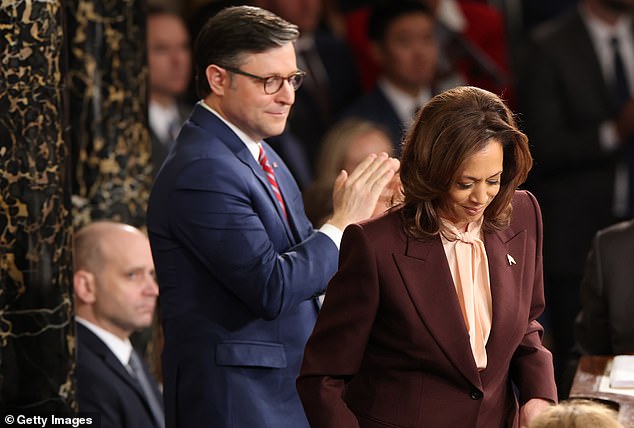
476	395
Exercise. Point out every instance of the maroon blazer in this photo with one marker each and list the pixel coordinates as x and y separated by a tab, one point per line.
390	347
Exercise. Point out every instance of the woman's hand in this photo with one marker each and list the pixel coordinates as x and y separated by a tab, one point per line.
531	409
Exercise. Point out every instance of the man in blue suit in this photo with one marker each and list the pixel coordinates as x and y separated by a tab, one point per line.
239	265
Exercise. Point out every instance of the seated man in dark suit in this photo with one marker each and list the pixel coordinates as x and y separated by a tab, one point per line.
115	294
404	44
605	325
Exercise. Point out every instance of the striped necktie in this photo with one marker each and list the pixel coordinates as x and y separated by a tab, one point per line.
270	176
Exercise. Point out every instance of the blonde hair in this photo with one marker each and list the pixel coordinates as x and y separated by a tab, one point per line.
332	157
336	144
578	413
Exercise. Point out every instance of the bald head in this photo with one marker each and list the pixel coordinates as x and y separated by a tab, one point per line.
92	243
114	281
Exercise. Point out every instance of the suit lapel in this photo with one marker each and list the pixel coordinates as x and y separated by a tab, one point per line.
428	280
93	343
580	41
285	181
506	256
210	122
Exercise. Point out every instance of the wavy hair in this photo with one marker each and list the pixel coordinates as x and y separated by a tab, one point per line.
453	126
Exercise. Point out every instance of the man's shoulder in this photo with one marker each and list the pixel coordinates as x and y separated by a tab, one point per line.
619	235
559	30
91	350
370	105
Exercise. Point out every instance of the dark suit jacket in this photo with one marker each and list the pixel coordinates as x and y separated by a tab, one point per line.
237	281
105	386
563	100
306	121
160	148
390	348
605	325
375	107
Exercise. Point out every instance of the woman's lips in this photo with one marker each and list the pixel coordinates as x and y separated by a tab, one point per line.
473	211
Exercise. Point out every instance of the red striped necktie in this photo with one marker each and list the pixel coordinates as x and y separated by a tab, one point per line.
270	176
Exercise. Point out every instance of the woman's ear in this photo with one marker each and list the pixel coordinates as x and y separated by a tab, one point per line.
84	286
217	79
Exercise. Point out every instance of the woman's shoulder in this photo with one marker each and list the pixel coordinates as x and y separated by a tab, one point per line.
526	209
524	198
389	223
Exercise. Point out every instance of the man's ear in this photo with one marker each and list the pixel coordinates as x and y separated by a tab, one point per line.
217	79
84	286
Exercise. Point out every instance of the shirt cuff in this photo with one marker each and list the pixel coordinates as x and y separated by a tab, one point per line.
608	137
333	232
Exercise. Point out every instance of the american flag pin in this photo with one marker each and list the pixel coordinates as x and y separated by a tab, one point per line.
510	259
274	164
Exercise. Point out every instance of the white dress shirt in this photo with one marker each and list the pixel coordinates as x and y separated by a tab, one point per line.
404	104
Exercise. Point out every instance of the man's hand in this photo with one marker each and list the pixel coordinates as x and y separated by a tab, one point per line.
531	409
355	195
392	194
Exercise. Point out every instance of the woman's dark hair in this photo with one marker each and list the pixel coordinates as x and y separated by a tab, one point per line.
453	126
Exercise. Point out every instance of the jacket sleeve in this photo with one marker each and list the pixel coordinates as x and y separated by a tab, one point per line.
219	216
532	364
335	350
592	327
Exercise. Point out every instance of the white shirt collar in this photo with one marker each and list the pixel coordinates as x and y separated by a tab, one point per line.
601	28
601	34
252	145
161	118
450	14
122	349
403	103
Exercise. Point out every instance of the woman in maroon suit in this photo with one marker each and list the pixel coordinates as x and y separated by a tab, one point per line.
431	319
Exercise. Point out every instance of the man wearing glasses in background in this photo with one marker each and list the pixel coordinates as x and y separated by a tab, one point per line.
239	265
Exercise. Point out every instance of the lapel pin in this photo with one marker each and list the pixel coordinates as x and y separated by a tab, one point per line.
274	164
510	259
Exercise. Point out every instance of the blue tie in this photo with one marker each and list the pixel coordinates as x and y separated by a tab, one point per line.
621	96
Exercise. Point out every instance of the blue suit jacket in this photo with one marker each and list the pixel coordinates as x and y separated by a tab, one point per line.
237	281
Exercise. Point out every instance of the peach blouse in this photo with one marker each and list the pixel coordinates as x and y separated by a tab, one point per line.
470	271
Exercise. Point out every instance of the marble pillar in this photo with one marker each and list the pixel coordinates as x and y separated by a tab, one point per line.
108	110
36	335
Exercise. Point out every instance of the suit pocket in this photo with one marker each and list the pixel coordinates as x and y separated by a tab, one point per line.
367	421
251	354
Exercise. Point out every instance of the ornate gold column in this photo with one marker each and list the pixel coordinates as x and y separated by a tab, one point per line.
109	135
36	336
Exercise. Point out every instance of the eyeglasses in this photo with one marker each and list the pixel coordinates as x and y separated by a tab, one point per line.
273	84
